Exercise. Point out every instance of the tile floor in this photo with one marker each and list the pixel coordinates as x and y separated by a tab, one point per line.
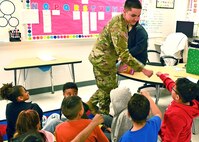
49	101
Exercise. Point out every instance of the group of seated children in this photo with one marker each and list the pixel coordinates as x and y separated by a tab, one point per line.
178	118
69	89
129	120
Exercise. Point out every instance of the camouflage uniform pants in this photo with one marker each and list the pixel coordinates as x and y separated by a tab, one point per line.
106	81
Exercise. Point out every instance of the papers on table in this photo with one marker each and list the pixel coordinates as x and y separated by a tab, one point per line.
46	58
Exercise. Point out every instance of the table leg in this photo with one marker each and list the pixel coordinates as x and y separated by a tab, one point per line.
24	77
73	72
15	77
51	77
157	93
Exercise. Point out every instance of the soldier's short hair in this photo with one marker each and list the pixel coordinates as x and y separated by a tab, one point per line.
132	4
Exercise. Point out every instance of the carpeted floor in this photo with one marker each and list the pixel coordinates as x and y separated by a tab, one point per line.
50	102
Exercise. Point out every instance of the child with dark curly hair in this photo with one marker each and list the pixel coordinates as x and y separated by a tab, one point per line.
179	115
18	96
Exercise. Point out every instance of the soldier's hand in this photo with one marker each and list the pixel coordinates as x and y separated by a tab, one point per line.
147	72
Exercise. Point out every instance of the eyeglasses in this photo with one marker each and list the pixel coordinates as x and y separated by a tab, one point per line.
175	90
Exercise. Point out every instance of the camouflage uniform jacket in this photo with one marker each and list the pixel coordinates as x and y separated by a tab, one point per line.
111	45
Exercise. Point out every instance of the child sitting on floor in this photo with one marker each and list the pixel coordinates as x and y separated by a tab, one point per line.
69	89
118	109
72	108
28	122
178	117
143	130
18	96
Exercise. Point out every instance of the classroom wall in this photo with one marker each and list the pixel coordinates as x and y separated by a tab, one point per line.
73	48
63	48
18	5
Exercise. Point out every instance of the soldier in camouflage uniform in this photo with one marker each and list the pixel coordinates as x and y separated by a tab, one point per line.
109	47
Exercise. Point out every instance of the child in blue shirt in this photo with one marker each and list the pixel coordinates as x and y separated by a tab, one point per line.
143	130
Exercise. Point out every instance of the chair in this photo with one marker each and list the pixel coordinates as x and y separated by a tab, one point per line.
163	60
195	129
176	43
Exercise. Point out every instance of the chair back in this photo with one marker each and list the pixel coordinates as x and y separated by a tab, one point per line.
153	58
168	61
165	60
176	45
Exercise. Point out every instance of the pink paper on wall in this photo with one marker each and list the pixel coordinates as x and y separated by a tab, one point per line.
63	24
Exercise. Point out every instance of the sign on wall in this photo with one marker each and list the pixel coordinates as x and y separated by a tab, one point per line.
168	4
69	19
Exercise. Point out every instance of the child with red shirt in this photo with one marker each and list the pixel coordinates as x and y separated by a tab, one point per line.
178	117
72	108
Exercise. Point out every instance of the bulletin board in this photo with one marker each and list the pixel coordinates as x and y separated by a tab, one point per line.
62	19
75	19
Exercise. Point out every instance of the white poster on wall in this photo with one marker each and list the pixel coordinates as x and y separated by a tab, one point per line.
157	22
29	16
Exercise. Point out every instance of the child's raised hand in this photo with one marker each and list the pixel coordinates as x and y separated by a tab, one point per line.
145	93
158	73
98	119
